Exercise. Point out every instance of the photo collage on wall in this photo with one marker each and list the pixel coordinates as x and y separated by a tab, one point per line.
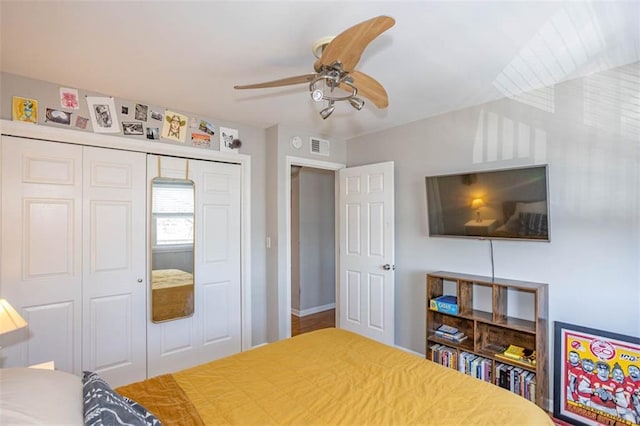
137	120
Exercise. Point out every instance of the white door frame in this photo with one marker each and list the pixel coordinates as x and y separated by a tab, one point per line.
48	133
284	308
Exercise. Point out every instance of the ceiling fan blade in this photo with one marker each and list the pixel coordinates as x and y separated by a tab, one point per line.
299	79
347	47
369	88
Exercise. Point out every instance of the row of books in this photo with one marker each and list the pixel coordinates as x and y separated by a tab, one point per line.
475	366
517	380
450	333
444	355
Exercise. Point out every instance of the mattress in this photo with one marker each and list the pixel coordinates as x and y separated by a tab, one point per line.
330	377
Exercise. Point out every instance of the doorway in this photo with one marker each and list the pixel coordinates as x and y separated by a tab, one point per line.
313	245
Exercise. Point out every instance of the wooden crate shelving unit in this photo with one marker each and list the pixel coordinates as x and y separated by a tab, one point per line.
491	328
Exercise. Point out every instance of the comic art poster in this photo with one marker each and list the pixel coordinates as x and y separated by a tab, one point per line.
24	109
174	126
597	376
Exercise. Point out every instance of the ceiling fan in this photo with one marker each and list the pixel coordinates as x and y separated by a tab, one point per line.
334	69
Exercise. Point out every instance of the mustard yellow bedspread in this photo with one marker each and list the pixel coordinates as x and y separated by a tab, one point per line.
332	377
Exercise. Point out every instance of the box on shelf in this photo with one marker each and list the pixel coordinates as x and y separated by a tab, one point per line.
447	304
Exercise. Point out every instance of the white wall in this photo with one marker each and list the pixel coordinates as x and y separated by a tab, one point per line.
592	262
278	149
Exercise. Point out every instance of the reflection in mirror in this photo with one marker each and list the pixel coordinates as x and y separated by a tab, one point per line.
172	289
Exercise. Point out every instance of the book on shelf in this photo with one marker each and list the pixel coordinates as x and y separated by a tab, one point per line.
447	329
447	304
518	354
457	337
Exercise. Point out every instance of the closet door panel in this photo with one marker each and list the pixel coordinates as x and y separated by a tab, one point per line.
214	330
40	263
172	345
114	268
218	258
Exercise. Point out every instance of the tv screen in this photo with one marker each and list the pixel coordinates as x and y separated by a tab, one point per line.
494	204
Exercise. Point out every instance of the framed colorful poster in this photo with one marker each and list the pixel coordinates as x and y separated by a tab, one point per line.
597	376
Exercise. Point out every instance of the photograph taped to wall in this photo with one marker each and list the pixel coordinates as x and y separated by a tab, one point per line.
102	111
156	115
132	128
141	112
597	379
24	109
174	126
81	122
227	136
57	116
69	98
153	133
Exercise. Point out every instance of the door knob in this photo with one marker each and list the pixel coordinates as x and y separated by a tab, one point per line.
388	267
139	280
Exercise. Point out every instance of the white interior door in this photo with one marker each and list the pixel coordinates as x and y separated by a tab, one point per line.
366	272
114	265
41	251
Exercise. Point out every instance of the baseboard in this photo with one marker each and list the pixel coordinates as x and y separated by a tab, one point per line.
314	310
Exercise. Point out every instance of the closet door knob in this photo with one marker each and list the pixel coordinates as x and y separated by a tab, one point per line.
139	280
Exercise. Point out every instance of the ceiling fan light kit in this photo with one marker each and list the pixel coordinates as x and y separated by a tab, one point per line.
337	58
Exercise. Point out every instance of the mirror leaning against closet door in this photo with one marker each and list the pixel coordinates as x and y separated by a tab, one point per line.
172	243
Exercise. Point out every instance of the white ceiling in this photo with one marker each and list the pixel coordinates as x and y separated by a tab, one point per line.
440	56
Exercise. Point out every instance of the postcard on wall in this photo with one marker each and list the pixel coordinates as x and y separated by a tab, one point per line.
228	139
102	111
57	116
201	140
24	109
69	98
132	128
207	127
174	126
81	122
124	110
141	112
156	115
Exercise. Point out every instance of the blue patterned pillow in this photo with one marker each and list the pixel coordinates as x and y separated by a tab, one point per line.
104	406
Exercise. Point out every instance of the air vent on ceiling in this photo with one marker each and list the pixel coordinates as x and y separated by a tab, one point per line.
319	146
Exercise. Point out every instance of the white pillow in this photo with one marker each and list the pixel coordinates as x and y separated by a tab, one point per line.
36	396
535	207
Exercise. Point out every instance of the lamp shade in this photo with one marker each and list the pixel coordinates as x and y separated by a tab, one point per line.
10	320
477	203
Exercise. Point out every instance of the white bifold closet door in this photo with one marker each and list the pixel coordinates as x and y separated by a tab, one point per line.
214	330
114	264
73	257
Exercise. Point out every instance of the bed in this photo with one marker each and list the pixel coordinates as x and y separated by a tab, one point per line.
524	219
171	294
326	377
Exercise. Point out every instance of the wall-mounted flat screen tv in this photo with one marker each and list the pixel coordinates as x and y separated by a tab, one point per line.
493	204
